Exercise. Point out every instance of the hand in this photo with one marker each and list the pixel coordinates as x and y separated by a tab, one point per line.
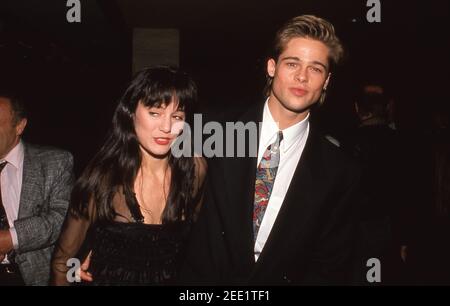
6	244
84	274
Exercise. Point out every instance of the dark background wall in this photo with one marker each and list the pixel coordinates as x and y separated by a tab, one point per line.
73	74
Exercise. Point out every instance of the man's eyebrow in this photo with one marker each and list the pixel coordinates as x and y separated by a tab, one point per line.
291	58
298	60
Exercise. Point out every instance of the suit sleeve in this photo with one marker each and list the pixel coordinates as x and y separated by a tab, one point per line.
42	230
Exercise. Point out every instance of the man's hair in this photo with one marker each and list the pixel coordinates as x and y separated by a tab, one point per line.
17	104
307	26
373	103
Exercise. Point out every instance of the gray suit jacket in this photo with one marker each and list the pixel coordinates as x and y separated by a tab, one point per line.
46	186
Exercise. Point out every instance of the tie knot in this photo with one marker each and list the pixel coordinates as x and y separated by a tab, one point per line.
2	165
280	136
276	143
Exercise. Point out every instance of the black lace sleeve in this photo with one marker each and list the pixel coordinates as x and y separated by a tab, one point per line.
69	245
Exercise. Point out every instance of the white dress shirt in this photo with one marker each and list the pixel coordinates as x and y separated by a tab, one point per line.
291	148
11	186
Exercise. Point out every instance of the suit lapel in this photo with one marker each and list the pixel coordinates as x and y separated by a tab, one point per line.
239	188
30	177
239	180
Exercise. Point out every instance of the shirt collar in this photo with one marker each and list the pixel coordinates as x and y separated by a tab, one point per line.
270	129
15	156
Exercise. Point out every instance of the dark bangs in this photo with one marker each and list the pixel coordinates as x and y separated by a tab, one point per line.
158	86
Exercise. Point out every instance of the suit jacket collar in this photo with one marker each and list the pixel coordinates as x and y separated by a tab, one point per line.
30	178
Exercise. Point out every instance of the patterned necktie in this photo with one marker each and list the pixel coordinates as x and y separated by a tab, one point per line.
265	178
3	218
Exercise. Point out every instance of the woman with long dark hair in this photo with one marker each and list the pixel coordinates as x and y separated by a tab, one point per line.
134	204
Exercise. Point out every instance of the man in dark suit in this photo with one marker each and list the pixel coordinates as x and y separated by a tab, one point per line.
384	218
285	216
34	195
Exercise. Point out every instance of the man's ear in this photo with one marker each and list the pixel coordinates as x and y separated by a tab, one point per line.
271	67
327	81
20	127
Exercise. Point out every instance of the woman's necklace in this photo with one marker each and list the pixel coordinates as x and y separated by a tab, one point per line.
143	207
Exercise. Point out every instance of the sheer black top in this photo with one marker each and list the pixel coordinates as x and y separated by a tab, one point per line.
125	251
